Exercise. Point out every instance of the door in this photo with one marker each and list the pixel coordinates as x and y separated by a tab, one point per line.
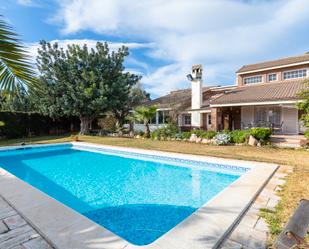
204	120
226	121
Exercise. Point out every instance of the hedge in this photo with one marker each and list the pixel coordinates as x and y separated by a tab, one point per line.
19	124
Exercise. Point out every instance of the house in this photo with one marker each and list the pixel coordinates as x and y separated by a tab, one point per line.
265	95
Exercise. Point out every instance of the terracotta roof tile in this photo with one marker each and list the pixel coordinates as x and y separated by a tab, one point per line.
284	90
181	99
274	63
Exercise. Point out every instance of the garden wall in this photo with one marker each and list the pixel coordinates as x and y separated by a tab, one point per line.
18	124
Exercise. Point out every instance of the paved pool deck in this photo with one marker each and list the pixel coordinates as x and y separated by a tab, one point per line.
16	232
49	220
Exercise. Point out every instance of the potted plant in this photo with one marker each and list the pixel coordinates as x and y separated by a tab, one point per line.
74	138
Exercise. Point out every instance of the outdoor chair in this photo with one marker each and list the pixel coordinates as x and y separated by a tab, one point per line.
246	127
277	128
296	229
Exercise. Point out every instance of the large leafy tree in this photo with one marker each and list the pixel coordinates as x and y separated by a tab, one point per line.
304	104
145	114
82	82
19	101
127	101
15	68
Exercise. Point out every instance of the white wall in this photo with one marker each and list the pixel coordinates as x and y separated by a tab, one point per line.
290	120
196	94
196	119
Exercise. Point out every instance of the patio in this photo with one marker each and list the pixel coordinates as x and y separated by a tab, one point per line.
16	232
282	119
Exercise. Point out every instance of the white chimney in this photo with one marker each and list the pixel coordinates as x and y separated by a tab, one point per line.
196	87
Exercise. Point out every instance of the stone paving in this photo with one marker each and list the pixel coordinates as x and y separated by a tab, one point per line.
16	233
252	231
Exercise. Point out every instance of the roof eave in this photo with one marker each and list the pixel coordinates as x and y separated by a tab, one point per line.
240	72
276	102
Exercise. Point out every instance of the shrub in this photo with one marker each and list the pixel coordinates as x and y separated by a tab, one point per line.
198	133
140	133
172	130
186	135
209	134
107	123
19	124
154	135
222	139
261	134
239	136
307	133
169	131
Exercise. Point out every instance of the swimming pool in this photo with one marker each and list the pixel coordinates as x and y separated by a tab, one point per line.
137	196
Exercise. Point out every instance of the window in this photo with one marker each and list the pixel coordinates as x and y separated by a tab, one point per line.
163	117
267	114
295	74
272	77
253	79
209	119
187	119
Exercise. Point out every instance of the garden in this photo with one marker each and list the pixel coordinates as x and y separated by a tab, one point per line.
254	136
81	91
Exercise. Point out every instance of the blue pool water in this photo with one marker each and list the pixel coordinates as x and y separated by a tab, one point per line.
137	197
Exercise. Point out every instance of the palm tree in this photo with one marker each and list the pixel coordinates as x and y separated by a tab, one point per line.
145	114
15	68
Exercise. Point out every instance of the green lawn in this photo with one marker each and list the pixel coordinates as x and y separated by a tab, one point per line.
296	188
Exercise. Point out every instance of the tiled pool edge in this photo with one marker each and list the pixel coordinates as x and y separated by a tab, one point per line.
191	233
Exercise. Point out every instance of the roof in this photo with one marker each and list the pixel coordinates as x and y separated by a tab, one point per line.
181	99
279	91
274	63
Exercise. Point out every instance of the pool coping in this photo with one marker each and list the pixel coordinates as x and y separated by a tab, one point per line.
205	228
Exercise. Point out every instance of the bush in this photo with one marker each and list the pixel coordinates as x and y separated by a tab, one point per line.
222	139
186	135
198	133
261	134
172	130
107	123
209	134
169	131
160	133
20	124
239	136
307	134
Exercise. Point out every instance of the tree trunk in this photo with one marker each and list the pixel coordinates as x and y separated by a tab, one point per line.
71	126
131	126
147	130
85	123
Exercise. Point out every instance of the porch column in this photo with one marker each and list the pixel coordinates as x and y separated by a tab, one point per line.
179	118
157	117
214	119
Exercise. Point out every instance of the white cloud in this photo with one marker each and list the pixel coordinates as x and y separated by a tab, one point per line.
27	3
222	34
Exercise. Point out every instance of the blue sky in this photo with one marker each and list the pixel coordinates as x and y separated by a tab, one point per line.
166	37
